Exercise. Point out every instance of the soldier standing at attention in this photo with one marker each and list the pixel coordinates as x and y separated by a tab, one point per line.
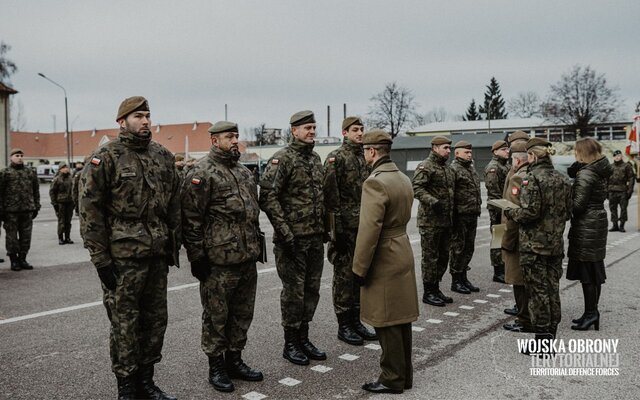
344	171
76	184
180	166
495	176
383	264
130	223
291	196
20	203
61	194
545	207
433	184
221	234
620	189
466	210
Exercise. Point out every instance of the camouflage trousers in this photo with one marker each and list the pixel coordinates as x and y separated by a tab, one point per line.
228	297
542	282
618	199
434	241
346	293
300	274
137	310
495	255
463	240
64	214
18	227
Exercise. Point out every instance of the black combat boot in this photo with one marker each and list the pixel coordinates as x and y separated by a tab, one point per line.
468	284
67	236
237	369
126	388
292	350
22	259
498	273
146	388
218	375
430	295
345	330
622	226
15	264
442	296
362	330
512	311
614	227
457	285
307	347
61	240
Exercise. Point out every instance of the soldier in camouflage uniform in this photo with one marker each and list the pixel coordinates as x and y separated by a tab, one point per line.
221	234
620	190
433	184
180	166
495	175
19	206
61	194
466	210
130	223
344	172
76	185
545	206
291	196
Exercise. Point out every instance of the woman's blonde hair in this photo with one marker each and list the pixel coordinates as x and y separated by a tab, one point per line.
588	150
541	151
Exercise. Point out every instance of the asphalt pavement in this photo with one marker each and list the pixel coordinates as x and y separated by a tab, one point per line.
54	333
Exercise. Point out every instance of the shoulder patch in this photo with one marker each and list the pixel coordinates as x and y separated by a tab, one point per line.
275	161
331	160
420	166
514	191
96	161
525	182
195	181
492	170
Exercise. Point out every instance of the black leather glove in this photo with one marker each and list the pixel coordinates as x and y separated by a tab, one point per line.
55	208
359	279
108	276
341	243
200	269
572	170
289	247
629	194
34	214
437	207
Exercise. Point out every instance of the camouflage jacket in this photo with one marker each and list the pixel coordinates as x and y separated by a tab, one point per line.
623	179
466	190
545	206
129	203
344	172
291	192
433	182
60	190
220	211
19	189
495	176
75	189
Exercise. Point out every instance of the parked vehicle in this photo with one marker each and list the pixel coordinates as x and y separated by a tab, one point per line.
46	172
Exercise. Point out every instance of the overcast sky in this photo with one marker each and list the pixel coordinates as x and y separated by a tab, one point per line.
267	59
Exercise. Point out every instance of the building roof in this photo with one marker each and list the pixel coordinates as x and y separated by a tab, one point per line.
173	137
6	89
449	126
424	142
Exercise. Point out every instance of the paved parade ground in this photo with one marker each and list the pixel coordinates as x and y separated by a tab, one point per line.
54	333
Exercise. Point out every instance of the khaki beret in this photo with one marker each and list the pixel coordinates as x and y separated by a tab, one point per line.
498	145
223	126
463	144
517	135
518	147
131	104
438	140
16	151
537	141
178	157
376	136
302	117
351	121
62	165
615	153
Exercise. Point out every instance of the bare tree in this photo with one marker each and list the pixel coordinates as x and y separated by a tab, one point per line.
18	120
392	108
7	67
436	114
580	98
525	105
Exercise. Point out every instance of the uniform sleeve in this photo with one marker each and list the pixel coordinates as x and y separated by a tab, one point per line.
2	190
331	189
74	190
631	179
174	214
195	203
420	182
372	211
273	183
492	183
36	189
53	191
94	192
530	202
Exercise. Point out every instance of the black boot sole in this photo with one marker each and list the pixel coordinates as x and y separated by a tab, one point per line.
297	362
351	342
223	389
246	378
433	304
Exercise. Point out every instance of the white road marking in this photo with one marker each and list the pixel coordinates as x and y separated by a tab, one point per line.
289	381
373	346
434	321
349	357
505	290
417	328
451	314
321	368
254	396
480	301
467	307
493	296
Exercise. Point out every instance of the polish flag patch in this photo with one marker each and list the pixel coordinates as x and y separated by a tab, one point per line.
195	181
514	191
96	161
331	160
275	161
525	183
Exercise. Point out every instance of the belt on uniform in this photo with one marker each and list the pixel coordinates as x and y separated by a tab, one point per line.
392	232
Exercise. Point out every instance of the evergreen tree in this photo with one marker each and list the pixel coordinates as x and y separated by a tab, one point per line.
472	112
493	101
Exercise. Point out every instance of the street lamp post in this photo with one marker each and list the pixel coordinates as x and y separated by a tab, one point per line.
66	118
489	113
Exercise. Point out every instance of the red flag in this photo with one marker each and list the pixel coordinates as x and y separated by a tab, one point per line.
632	144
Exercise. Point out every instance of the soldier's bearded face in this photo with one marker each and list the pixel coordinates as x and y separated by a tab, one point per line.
305	133
17	158
502	152
227	141
354	133
138	123
443	150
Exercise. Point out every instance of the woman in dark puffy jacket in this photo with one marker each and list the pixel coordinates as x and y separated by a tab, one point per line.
588	232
